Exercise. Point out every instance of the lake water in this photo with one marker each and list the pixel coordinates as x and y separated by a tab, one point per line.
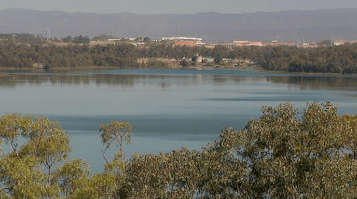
169	108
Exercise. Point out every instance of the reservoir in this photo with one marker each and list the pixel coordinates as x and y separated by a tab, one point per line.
170	108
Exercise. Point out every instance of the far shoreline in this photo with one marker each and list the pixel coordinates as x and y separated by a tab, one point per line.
197	67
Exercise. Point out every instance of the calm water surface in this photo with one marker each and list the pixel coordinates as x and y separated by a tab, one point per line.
170	108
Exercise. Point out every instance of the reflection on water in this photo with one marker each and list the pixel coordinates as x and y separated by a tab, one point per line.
187	77
170	108
317	82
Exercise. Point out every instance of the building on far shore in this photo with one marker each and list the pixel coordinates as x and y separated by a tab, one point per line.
114	40
138	44
248	43
181	39
342	42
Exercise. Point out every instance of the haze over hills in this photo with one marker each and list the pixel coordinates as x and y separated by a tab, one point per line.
260	26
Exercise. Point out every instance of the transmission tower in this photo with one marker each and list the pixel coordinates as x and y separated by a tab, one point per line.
48	34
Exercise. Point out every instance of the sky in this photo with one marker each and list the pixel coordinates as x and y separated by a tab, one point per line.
176	6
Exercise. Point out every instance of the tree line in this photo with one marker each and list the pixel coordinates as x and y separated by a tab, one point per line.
279	155
52	56
323	59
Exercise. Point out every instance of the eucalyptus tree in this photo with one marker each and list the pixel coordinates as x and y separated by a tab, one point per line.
285	156
35	143
116	132
47	141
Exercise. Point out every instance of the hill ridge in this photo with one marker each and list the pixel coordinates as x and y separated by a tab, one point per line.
293	25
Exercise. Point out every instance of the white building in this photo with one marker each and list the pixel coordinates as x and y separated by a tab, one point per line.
196	39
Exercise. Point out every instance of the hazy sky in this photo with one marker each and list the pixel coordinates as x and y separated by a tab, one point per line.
176	6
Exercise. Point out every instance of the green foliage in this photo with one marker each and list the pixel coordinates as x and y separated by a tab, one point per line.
52	56
326	42
168	175
220	52
26	51
81	39
115	132
21	169
155	63
72	177
67	39
167	50
282	154
147	39
279	155
22	177
103	38
336	59
184	63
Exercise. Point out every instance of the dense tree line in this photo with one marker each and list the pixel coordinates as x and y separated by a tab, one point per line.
279	155
324	59
168	50
51	56
81	39
103	38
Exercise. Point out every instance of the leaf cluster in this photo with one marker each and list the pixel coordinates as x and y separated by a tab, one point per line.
280	155
283	154
35	144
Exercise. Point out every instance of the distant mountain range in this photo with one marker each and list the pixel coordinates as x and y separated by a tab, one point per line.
285	26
